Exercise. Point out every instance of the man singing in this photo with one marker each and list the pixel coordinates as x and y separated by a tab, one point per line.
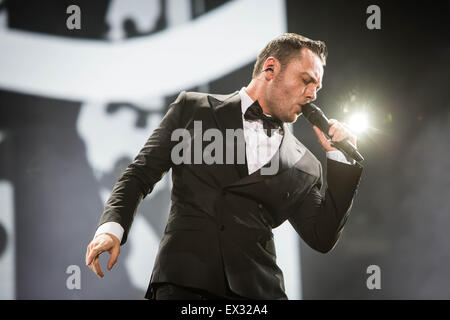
218	242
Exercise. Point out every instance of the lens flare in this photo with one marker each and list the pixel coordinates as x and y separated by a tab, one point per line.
358	122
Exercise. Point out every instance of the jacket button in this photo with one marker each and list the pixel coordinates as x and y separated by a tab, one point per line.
222	227
260	206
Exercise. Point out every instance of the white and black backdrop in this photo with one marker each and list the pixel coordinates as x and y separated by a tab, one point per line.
77	105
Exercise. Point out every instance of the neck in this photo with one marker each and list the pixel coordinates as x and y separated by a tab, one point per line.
255	90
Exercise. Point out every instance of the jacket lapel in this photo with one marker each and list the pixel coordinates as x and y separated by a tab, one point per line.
228	115
289	153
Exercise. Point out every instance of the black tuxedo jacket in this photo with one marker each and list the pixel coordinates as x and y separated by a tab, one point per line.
219	230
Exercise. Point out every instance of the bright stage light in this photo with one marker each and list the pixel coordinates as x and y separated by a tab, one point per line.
358	122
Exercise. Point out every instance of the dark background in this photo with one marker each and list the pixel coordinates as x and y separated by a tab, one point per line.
400	217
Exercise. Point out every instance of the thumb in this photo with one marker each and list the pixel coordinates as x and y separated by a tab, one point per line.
322	139
114	256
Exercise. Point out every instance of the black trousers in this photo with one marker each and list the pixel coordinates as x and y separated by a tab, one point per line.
169	291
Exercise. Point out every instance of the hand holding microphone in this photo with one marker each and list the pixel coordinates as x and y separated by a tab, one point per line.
337	132
341	138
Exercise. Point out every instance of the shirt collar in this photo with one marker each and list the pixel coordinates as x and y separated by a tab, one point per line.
246	101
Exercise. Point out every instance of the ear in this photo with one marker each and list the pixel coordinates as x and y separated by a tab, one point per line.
269	64
270	67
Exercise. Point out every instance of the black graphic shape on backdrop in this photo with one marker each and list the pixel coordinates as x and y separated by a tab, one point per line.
49	17
141	114
130	26
379	229
3	239
57	200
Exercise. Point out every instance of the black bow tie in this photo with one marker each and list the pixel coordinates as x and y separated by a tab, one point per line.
254	112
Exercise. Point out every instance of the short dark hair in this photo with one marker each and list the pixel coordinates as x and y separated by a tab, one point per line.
285	46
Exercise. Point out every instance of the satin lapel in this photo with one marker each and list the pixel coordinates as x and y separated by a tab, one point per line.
228	115
288	154
291	150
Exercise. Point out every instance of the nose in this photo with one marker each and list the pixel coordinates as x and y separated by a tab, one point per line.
311	93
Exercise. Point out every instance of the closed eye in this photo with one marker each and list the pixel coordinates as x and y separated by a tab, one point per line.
306	82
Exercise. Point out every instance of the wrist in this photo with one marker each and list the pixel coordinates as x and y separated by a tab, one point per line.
115	239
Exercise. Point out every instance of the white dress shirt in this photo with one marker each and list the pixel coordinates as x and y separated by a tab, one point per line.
259	149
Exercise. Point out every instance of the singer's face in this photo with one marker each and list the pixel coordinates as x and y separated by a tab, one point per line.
296	84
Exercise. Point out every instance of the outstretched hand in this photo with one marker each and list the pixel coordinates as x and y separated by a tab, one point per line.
101	243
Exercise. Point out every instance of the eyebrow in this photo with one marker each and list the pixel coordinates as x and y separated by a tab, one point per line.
312	77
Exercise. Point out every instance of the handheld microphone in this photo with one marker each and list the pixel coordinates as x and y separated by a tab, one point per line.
316	117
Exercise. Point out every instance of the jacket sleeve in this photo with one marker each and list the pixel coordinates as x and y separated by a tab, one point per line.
149	166
319	219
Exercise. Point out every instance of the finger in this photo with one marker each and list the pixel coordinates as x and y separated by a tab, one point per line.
89	253
91	266
346	126
94	253
352	139
332	130
332	123
339	135
96	265
351	135
320	136
90	256
114	255
325	143
88	250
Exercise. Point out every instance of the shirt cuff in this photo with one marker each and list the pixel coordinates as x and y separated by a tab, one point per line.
111	227
337	155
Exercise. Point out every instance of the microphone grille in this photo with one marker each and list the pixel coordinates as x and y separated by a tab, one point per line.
308	109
